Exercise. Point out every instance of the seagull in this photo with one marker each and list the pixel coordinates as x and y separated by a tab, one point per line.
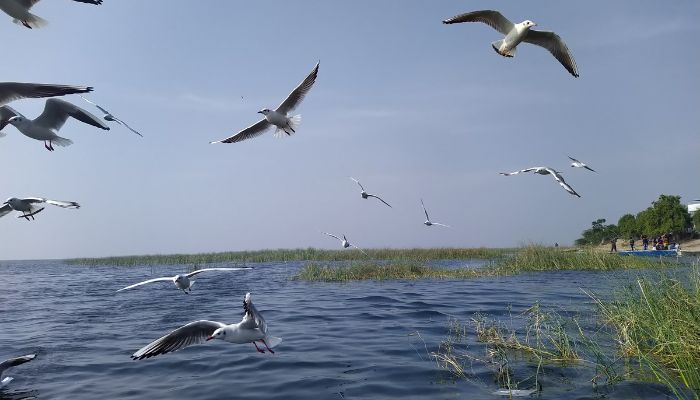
109	117
546	171
10	91
13	362
19	10
278	117
578	164
46	126
182	282
30	206
428	222
365	195
251	329
344	242
517	33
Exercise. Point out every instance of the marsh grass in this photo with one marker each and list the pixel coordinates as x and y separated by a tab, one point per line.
309	254
657	322
532	258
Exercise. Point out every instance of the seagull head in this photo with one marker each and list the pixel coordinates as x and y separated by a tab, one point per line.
14	121
218	334
265	111
528	24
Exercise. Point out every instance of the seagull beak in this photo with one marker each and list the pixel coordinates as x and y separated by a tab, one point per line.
260	112
210	338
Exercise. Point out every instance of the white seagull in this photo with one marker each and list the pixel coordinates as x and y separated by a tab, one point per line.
30	206
344	242
182	282
10	91
45	127
19	10
546	171
578	164
365	195
111	118
428	222
517	33
251	329
12	362
278	117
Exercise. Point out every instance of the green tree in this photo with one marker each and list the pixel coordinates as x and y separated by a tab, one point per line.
696	220
598	233
627	225
666	215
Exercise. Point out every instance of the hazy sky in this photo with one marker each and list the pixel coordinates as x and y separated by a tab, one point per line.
411	107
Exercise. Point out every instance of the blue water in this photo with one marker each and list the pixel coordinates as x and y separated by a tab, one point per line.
359	340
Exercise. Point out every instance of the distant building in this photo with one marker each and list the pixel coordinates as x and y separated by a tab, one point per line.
693	207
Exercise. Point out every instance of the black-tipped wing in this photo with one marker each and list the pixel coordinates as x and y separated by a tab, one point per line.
252	131
193	333
424	210
297	95
5	209
252	318
332	235
555	45
57	111
379	198
562	183
193	273
59	203
10	91
491	18
95	2
358	182
13	362
7	112
573	159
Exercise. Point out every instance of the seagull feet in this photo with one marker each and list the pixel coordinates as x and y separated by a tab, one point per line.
258	348
49	147
267	347
25	23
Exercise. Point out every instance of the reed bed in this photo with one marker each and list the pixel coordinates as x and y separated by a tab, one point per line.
309	254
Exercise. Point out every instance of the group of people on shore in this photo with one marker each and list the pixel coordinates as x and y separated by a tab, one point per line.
663	242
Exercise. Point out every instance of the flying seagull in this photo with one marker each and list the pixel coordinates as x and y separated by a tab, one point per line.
546	171
109	117
365	195
344	242
428	222
46	126
516	33
251	329
182	282
19	10
13	362
10	91
578	164
278	117
30	206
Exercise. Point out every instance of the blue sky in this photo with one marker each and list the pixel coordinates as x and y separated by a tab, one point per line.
411	107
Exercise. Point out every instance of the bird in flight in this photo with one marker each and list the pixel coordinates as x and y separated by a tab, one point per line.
31	206
546	171
19	10
366	195
111	118
578	164
183	282
13	362
344	242
428	222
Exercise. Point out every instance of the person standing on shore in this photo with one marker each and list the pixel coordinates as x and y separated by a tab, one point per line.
632	244
645	242
613	245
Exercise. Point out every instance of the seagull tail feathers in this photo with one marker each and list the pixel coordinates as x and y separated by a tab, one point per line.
498	44
295	121
32	21
61	141
272	341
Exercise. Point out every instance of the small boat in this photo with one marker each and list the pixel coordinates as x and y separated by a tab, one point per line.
651	253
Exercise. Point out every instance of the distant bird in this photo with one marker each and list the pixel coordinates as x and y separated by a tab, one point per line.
109	117
183	282
344	242
251	329
578	164
46	126
517	33
278	117
30	206
365	195
13	362
19	10
10	91
546	171
428	222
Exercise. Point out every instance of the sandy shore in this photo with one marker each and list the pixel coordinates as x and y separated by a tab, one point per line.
690	246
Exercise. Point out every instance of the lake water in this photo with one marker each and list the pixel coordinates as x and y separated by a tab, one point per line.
341	340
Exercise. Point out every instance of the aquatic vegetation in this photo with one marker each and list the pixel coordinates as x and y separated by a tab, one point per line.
375	271
308	254
658	323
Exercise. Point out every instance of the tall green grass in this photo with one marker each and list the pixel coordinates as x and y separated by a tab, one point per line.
309	254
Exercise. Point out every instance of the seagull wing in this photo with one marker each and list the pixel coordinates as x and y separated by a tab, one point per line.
252	318
193	333
573	159
10	91
494	19
95	2
555	45
589	168
7	112
4	210
250	132
57	111
378	198
27	4
59	203
163	279
96	105
560	179
297	95
13	362
332	235
424	210
193	273
517	172
126	125
437	223
361	251
358	182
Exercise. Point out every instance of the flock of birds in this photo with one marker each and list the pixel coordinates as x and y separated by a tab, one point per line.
252	328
